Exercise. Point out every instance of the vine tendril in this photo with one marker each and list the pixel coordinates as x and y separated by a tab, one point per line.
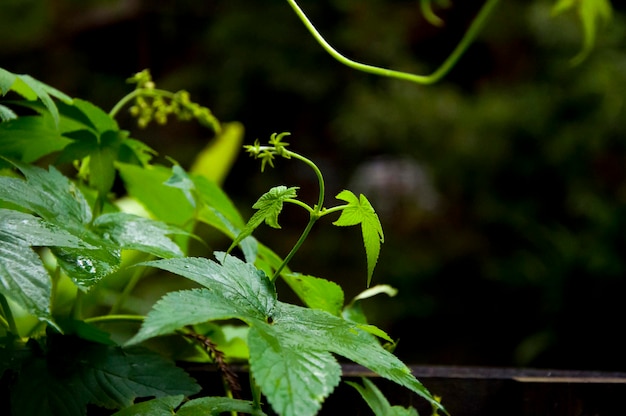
446	66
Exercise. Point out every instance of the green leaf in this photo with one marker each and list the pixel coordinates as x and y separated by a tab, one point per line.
316	293
32	89
269	205
33	231
147	185
279	332
163	406
77	373
360	211
28	138
318	330
137	233
23	278
591	13
215	160
234	290
6	113
215	406
97	118
47	193
377	401
295	379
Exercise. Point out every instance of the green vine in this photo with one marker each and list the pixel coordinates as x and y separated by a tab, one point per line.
471	34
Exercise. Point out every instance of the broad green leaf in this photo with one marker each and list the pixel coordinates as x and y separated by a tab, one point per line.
47	193
378	402
29	230
303	337
28	138
132	232
147	186
99	120
316	293
360	211
83	373
32	89
215	406
269	206
235	290
88	267
163	406
215	160
219	212
295	379
23	278
591	13
181	180
318	330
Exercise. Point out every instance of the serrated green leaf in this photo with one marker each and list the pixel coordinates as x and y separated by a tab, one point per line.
23	278
378	402
316	293
215	406
47	193
236	290
33	231
295	379
71	377
136	233
319	330
28	138
163	406
26	86
268	207
360	211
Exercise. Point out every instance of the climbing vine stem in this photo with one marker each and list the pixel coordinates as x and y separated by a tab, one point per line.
470	35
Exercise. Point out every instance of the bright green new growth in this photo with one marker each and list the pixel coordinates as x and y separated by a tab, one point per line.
356	211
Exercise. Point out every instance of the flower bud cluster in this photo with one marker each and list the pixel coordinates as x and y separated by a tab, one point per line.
152	104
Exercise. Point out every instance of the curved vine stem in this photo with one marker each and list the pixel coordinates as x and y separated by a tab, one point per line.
446	66
314	214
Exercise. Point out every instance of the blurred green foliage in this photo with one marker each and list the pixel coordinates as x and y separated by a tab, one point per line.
510	248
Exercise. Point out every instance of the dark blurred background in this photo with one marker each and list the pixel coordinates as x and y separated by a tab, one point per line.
501	189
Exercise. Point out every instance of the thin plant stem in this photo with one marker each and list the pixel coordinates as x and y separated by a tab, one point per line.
446	66
314	214
105	319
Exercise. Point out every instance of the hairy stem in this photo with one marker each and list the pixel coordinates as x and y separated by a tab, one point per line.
446	66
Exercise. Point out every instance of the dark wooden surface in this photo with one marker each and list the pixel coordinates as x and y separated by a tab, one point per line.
478	391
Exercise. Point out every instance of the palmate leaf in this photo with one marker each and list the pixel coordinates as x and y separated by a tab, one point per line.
269	206
86	252
69	378
360	211
32	89
290	346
